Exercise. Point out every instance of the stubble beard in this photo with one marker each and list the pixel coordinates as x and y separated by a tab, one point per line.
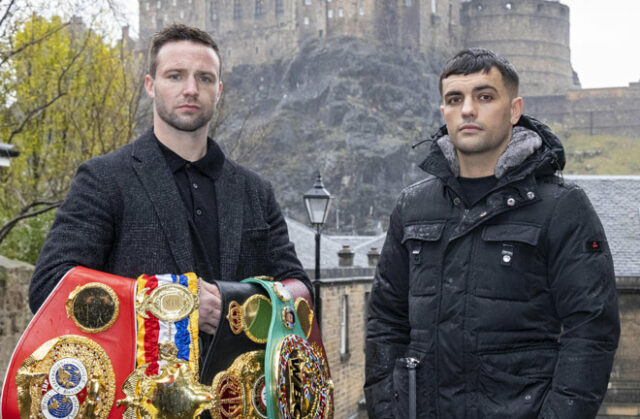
184	123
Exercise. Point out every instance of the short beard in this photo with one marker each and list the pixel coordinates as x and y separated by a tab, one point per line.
190	125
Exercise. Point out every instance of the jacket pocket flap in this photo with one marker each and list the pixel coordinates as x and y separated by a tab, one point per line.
522	233
426	232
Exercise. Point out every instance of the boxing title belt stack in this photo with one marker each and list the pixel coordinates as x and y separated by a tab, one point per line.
104	346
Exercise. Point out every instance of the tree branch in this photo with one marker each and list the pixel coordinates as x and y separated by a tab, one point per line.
27	213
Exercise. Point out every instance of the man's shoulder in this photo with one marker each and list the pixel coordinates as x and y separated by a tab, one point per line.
427	185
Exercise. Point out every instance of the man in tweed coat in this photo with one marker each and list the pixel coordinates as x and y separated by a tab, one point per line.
170	202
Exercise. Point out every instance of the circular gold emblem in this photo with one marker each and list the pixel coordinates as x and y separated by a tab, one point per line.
304	390
66	376
256	318
305	315
282	291
93	307
169	302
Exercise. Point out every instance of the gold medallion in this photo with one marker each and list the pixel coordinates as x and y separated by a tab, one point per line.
288	317
256	318
240	391
169	303
66	376
234	316
282	291
174	393
305	315
93	307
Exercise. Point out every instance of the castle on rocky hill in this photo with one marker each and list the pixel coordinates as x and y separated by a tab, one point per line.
532	34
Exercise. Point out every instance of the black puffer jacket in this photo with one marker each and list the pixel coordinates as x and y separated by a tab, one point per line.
509	305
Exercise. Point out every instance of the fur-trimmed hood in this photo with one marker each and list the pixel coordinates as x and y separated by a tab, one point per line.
533	147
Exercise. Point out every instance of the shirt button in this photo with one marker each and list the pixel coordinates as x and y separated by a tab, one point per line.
199	211
511	202
456	201
531	195
188	165
449	280
195	185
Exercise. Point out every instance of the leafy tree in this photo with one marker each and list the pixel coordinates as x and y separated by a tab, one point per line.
66	94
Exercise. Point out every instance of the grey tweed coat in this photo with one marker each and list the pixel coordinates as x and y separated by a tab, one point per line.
124	215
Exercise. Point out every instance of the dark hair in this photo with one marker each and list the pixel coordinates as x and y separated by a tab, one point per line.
178	32
475	60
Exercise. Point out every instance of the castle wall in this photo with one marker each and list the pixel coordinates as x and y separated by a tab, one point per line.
533	35
608	111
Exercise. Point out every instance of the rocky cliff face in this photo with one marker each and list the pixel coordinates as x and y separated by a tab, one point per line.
347	107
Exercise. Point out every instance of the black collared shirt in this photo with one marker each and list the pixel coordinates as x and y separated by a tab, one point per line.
196	185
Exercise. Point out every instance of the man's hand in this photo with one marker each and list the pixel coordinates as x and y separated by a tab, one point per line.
210	307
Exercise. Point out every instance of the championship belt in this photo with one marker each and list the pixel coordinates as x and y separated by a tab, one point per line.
104	346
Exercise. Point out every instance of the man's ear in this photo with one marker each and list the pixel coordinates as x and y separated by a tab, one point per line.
219	91
148	85
516	110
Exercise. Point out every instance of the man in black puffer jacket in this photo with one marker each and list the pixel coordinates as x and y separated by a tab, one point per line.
495	293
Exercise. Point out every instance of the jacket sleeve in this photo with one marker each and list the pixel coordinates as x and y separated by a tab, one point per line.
582	283
283	260
82	233
387	333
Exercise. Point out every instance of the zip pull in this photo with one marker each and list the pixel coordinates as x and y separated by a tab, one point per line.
412	364
415	254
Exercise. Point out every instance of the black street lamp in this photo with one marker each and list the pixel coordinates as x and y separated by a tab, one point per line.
317	200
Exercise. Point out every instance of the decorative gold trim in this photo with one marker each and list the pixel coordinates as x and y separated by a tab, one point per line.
263	277
234	317
169	302
288	317
249	314
34	374
282	291
305	315
93	307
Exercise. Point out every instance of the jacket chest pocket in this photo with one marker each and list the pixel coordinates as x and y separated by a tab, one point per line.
423	243
508	263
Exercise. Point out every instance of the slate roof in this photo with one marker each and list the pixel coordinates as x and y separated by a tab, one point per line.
304	240
616	199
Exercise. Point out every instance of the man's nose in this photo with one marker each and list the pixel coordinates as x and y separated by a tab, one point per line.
190	86
468	107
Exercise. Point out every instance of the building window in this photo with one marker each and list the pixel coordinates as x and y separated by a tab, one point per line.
175	3
361	11
259	8
340	12
306	20
434	6
330	13
148	5
237	10
508	6
213	10
307	2
159	4
181	14
408	3
344	327
279	7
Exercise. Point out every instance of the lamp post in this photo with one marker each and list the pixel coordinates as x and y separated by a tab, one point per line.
317	200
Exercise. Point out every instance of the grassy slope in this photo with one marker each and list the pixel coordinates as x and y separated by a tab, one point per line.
600	154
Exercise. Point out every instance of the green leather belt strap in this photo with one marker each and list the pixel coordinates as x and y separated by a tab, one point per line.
284	321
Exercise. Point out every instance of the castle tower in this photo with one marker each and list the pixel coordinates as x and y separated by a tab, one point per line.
532	34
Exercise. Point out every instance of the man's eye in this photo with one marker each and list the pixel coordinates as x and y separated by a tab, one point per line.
486	98
174	76
206	79
453	100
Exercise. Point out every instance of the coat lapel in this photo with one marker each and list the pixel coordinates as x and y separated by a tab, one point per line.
229	190
156	178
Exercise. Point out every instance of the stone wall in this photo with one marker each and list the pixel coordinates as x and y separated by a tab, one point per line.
14	308
605	111
347	367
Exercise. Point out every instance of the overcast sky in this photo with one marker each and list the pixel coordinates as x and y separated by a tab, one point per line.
604	40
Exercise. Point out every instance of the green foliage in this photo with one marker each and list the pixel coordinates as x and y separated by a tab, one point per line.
66	96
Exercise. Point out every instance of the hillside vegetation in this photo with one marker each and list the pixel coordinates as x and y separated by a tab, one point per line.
600	154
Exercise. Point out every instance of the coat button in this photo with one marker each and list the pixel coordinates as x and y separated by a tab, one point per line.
531	195
483	213
506	258
527	397
511	202
456	201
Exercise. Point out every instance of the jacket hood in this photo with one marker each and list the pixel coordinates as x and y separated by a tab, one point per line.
533	148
